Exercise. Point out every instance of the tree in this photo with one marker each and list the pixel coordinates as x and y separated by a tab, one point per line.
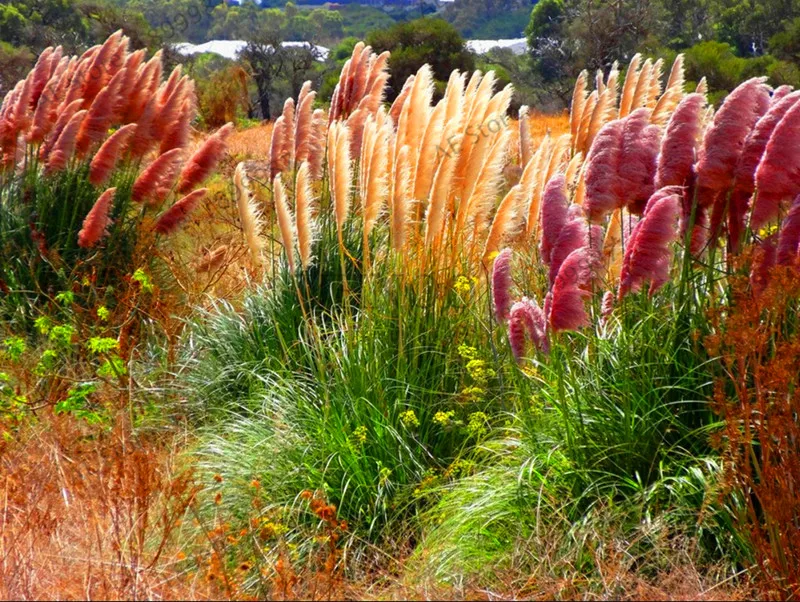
426	40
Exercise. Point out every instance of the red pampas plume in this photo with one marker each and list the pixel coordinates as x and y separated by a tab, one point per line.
106	158
649	254
156	180
680	142
177	133
779	92
789	236
526	317
99	117
97	74
41	71
204	160
554	214
63	119
173	217
637	163
566	305
145	134
601	171
778	173
724	140
95	226
64	147
501	285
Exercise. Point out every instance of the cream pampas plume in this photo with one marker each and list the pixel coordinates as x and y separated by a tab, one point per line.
316	151
64	147
725	138
525	144
285	220
678	147
339	172
154	183
95	226
642	91
778	173
375	173
501	285
400	199
287	141
204	160
304	219
249	214
303	130
673	93
176	215
107	156
648	254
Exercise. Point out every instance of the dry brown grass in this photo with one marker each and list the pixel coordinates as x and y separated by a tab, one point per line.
251	143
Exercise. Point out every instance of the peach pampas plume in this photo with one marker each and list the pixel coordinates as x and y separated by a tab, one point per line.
316	151
212	260
648	254
157	177
789	236
98	72
95	226
287	141
525	144
506	222
63	119
428	152
400	101
526	317
488	182
375	173
304	220
106	157
40	73
629	87
576	107
177	132
303	131
435	215
677	155
554	215
204	160
501	285
603	113
642	90
174	217
400	200
249	215
46	113
725	138
64	147
565	309
22	109
285	220
339	172
583	128
277	161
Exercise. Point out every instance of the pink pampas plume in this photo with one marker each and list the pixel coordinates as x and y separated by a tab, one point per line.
566	306
173	217
157	178
98	119
649	254
789	236
527	318
554	214
145	135
574	235
40	73
607	306
204	160
64	147
501	285
65	115
97	75
641	141
678	148
778	173
764	260
106	158
724	140
95	226
779	92
602	164
177	134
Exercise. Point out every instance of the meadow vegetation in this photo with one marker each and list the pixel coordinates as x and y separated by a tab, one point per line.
406	349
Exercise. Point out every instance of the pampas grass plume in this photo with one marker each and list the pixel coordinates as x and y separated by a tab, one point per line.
285	220
95	226
176	215
107	156
501	285
204	160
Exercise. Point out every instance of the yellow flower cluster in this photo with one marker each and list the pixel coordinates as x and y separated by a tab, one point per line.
479	371
467	352
359	436
409	419
444	418
476	425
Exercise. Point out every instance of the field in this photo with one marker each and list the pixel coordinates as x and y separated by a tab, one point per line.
415	349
